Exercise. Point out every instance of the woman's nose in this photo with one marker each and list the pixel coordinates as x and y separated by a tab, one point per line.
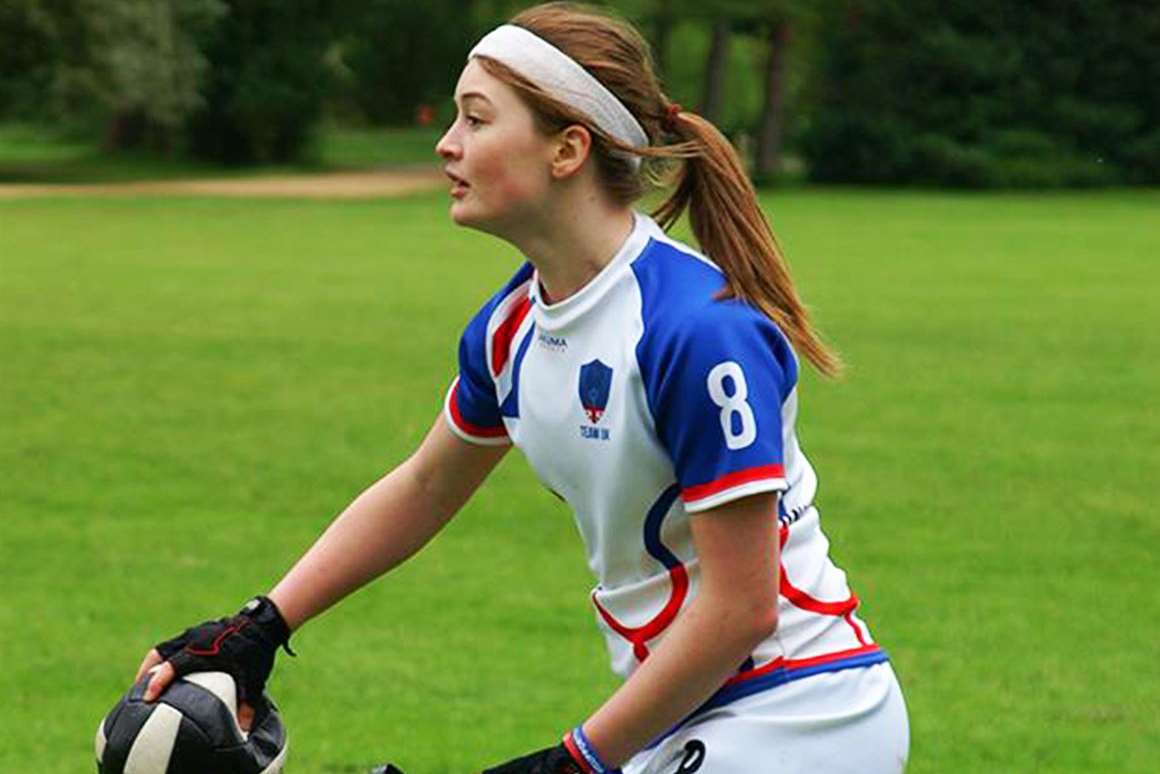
448	147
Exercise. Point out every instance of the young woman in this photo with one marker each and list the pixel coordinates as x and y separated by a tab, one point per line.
653	388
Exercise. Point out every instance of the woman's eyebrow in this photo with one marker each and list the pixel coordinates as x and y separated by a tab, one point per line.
473	95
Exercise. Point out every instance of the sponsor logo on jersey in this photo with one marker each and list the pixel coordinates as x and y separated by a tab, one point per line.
552	343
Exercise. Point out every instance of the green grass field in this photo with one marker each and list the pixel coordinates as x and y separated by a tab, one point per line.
40	154
191	388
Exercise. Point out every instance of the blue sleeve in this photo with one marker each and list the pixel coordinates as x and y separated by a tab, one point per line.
716	384
472	407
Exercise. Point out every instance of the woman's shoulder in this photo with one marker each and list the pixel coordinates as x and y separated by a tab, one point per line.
685	295
682	288
667	269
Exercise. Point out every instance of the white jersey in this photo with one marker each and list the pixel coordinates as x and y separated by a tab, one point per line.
642	399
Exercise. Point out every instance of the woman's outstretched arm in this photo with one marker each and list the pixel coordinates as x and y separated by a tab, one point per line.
387	523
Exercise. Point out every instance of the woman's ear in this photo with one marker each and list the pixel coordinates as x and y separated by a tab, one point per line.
573	145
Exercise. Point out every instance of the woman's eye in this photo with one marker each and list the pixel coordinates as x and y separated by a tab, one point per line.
472	121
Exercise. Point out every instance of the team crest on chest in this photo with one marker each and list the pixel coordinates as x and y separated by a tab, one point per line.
595	386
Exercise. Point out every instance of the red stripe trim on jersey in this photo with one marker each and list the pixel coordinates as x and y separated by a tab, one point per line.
730	480
478	431
857	629
790	664
501	340
799	598
639	635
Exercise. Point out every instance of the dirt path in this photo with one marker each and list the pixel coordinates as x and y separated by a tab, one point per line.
367	184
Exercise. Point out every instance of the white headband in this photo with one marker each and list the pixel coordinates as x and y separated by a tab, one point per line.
561	76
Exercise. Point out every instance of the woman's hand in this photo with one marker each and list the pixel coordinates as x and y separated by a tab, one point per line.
163	675
243	646
553	760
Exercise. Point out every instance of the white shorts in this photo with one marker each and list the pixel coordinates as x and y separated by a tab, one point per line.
848	722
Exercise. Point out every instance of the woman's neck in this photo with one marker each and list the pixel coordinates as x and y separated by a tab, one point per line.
572	246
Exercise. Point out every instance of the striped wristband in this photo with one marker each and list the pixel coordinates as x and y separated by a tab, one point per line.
584	753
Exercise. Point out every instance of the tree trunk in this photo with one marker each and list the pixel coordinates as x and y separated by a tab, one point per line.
716	72
663	22
127	129
769	136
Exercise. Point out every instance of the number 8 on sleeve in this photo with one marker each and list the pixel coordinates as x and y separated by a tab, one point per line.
733	405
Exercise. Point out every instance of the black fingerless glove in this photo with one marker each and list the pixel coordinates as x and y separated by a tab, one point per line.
554	760
575	755
243	646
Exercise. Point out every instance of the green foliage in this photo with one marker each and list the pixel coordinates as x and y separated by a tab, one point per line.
976	94
267	82
25	71
399	54
234	81
131	68
1007	159
987	94
1142	155
147	65
685	79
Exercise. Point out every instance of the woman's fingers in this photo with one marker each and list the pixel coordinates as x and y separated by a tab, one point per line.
152	659
162	676
245	716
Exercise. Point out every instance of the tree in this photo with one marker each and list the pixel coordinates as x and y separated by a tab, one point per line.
663	21
400	54
716	71
772	22
770	134
149	68
266	83
130	65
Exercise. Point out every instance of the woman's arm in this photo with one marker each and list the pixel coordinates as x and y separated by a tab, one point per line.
734	610
387	523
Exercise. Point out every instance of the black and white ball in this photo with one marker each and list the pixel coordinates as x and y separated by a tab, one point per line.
191	729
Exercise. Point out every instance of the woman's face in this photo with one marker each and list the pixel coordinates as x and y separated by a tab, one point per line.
498	162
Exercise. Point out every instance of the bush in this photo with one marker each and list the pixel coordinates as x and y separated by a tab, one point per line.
939	160
857	148
1007	159
1142	158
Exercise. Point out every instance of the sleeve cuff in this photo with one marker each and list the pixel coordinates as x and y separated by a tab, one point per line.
476	434
733	486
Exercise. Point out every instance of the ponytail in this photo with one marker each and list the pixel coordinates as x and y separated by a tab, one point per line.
732	230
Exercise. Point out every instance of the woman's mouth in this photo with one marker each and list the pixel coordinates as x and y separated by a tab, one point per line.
458	185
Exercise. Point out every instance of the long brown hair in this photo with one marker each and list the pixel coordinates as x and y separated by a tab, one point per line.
710	181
